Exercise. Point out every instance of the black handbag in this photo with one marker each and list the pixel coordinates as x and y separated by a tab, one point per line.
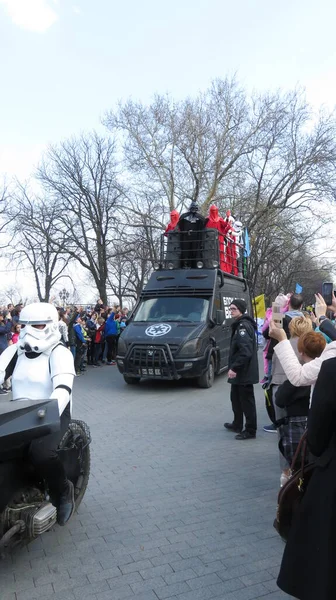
291	494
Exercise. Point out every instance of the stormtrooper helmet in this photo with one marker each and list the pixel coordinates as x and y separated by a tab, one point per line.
39	327
237	228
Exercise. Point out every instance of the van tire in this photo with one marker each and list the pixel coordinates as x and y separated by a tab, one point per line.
131	380
206	380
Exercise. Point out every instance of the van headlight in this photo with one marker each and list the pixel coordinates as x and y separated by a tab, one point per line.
190	348
122	347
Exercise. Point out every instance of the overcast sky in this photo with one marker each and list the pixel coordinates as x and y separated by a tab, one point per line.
64	62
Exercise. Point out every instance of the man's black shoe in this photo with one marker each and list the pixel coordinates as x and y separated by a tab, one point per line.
66	505
232	427
245	435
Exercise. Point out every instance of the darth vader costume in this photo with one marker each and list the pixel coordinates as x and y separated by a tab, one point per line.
191	224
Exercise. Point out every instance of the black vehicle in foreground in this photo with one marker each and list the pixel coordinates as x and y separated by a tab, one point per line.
29	512
181	324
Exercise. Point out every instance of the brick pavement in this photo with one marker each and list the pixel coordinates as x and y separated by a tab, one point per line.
176	507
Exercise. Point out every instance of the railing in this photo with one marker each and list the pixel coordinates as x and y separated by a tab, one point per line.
208	249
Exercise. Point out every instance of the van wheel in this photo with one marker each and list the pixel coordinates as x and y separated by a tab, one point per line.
131	380
206	380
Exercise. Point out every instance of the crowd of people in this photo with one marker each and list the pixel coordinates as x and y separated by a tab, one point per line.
300	382
90	333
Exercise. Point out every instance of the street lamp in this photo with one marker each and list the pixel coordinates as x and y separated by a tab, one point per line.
64	296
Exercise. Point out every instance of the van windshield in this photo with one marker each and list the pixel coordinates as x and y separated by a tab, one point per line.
193	310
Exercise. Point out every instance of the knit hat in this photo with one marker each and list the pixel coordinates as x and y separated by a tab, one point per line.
240	304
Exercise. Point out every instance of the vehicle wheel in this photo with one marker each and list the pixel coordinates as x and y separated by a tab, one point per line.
206	380
131	380
75	453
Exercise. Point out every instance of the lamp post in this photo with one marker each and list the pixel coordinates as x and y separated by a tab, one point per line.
64	296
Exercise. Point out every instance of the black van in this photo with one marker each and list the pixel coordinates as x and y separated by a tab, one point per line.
180	327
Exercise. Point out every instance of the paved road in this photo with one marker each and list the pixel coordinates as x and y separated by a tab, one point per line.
176	507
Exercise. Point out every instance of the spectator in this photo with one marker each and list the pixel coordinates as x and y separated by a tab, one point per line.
16	333
123	322
294	310
72	338
63	327
91	326
16	313
5	330
111	335
296	373
297	327
99	305
308	565
291	306
243	371
293	402
98	341
81	346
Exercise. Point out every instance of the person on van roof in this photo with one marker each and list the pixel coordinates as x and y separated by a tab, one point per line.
214	221
243	371
174	219
191	225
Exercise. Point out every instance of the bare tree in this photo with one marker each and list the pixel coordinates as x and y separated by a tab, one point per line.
134	263
268	158
182	151
5	218
80	177
33	227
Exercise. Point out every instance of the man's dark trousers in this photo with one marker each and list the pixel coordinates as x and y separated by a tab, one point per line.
243	404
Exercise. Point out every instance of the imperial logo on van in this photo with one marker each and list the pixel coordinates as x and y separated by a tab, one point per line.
158	330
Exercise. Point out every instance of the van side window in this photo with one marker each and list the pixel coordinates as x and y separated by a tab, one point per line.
216	305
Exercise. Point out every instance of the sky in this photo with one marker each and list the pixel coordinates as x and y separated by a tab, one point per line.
65	62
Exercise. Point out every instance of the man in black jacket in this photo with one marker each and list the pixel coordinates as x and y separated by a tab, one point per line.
243	371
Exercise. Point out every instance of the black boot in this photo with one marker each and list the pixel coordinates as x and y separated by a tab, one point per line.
66	505
232	427
246	435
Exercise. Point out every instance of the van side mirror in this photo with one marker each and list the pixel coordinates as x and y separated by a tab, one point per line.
220	317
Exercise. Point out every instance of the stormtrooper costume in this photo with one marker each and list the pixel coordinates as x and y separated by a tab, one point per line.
41	367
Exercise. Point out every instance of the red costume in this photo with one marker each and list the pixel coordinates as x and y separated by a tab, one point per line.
174	219
230	245
214	221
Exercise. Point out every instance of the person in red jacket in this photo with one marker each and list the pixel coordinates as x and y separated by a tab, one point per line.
214	221
174	219
98	341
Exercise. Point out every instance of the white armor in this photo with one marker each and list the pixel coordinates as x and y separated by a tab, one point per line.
236	232
44	367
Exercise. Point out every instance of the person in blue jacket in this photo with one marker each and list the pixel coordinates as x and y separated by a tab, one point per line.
112	330
81	345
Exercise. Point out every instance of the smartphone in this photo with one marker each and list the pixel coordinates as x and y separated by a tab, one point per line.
277	315
327	292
